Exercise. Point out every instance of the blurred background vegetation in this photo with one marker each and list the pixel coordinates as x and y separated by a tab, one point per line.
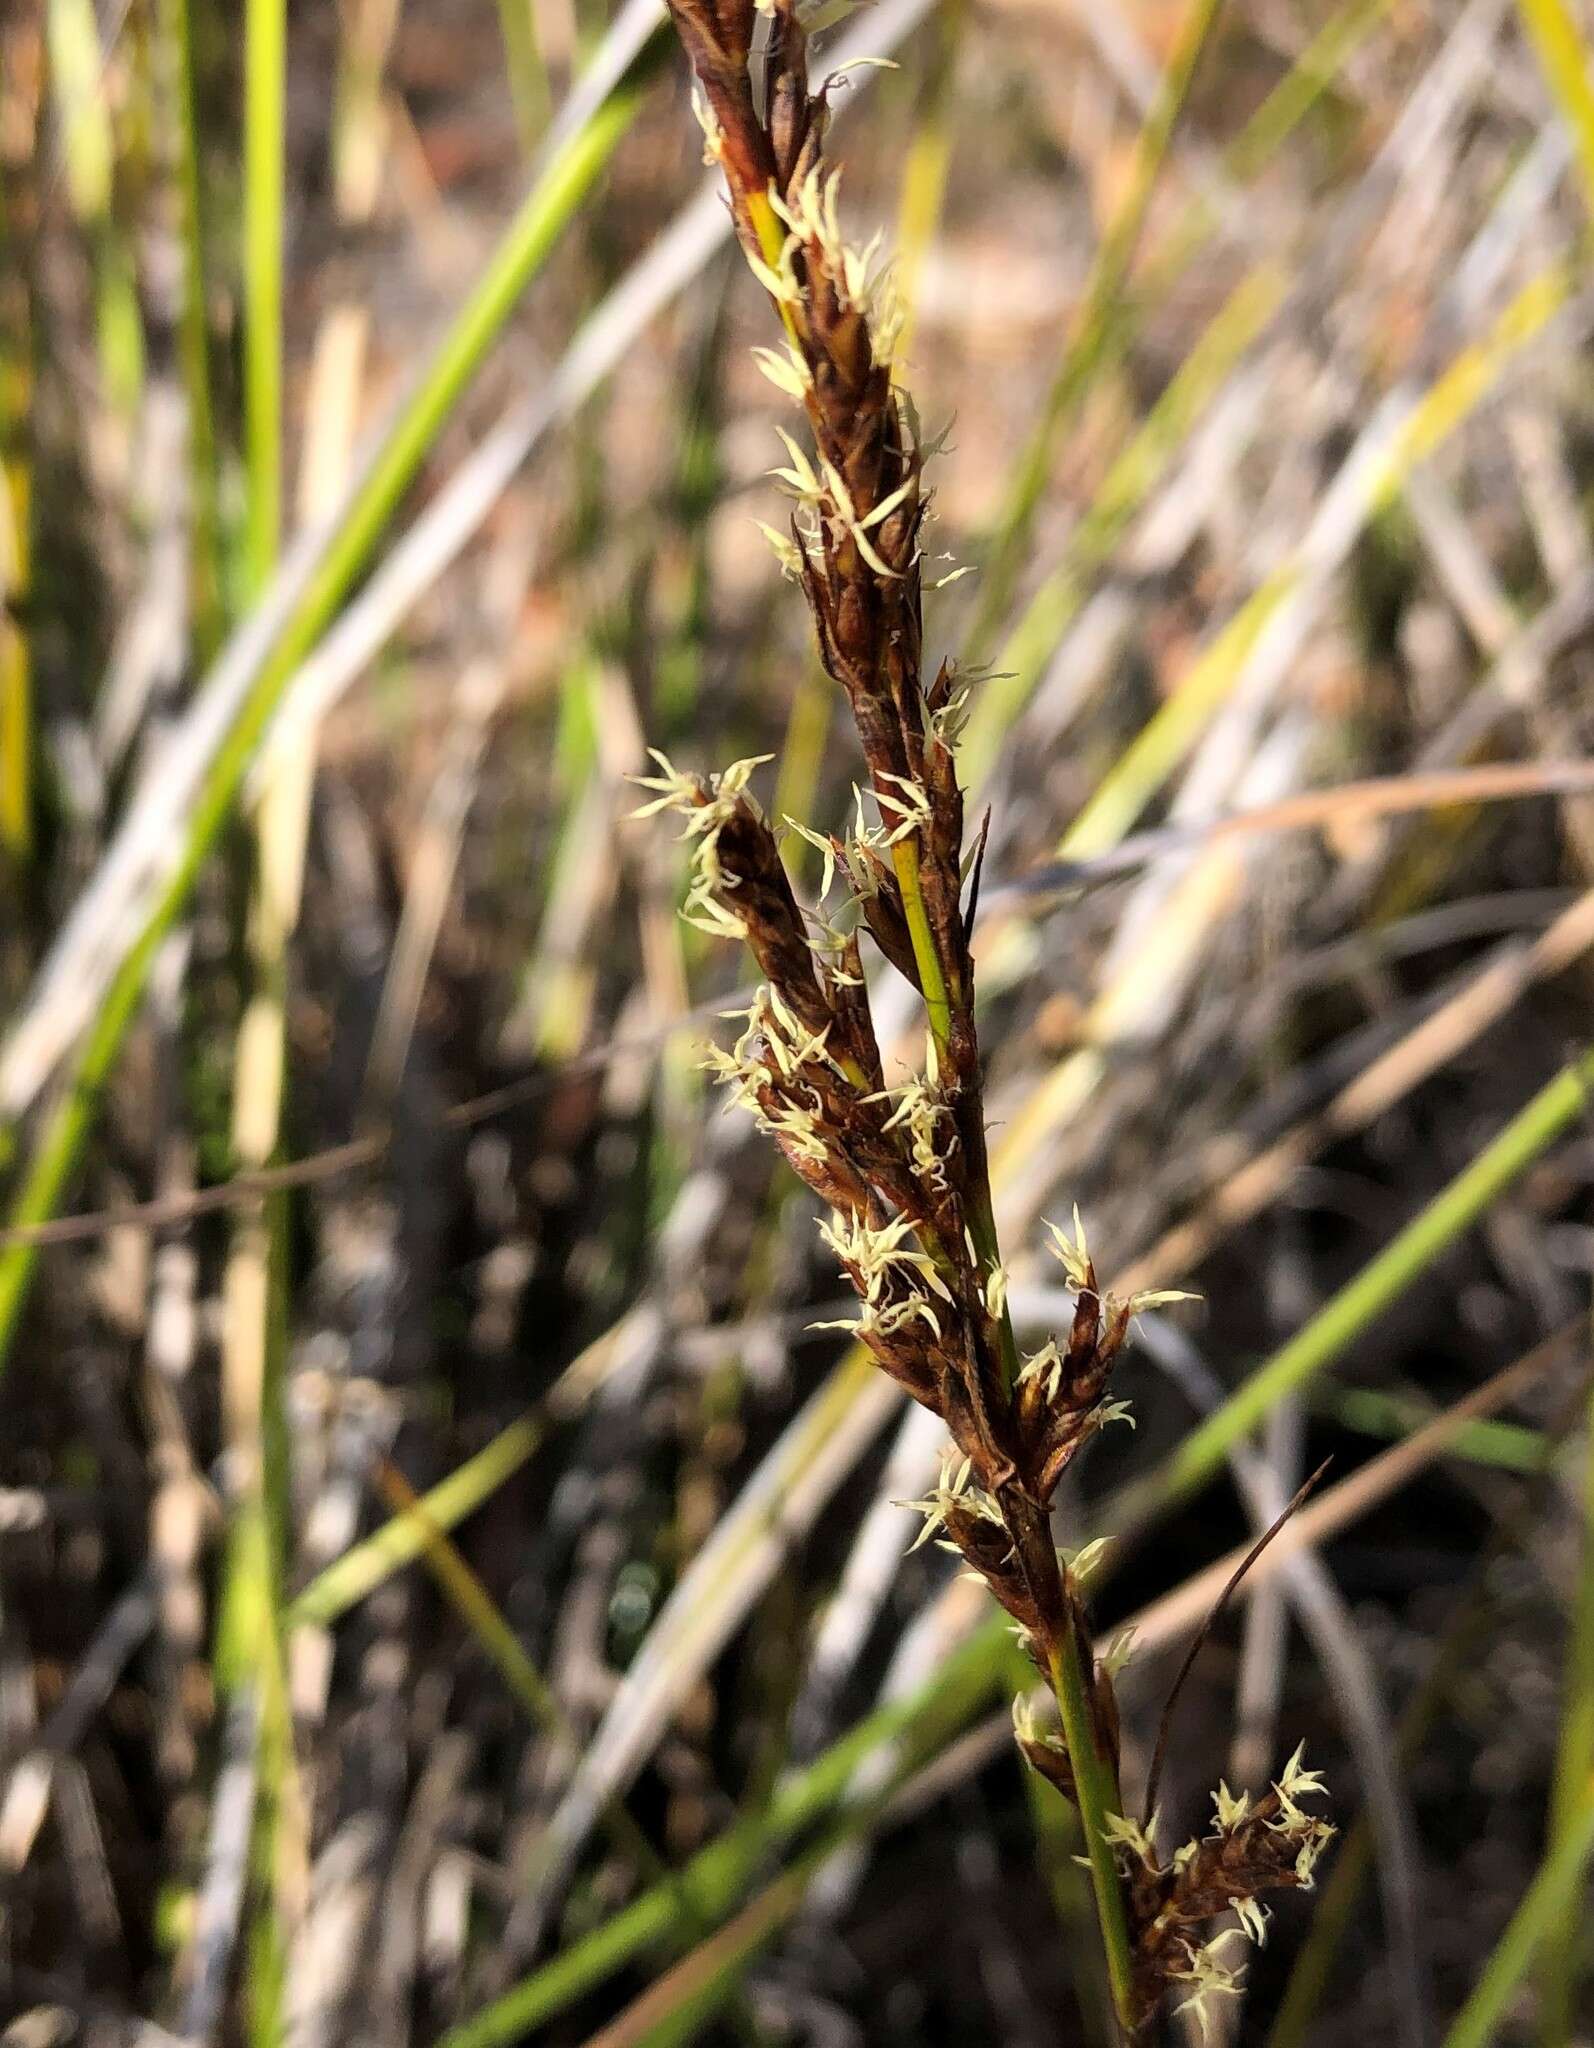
448	1592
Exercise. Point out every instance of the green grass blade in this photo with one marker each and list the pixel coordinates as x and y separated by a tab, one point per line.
1554	1893
254	1340
528	78
471	1601
1568	65
1379	1284
77	77
1507	1446
1094	328
348	1579
78	82
1303	85
265	86
1574	1774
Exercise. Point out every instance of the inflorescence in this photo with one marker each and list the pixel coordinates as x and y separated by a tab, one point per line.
902	1168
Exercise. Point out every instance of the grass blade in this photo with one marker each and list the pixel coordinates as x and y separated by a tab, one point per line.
1574	1775
1553	1894
1380	1283
346	1582
265	111
528	79
1566	60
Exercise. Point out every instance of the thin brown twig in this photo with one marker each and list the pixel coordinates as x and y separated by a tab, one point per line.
1377	796
1215	1614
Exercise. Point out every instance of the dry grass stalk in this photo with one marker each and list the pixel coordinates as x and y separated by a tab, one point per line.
903	1169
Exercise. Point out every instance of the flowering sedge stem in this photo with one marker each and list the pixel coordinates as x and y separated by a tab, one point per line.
1097	1795
909	1190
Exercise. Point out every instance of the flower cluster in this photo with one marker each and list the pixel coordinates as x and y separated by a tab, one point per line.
1255	1846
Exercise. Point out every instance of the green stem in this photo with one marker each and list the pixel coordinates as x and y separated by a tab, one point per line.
926	955
1095	1781
1069	1664
1096	1794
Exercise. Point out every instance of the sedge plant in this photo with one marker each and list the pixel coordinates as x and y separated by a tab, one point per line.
903	1168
